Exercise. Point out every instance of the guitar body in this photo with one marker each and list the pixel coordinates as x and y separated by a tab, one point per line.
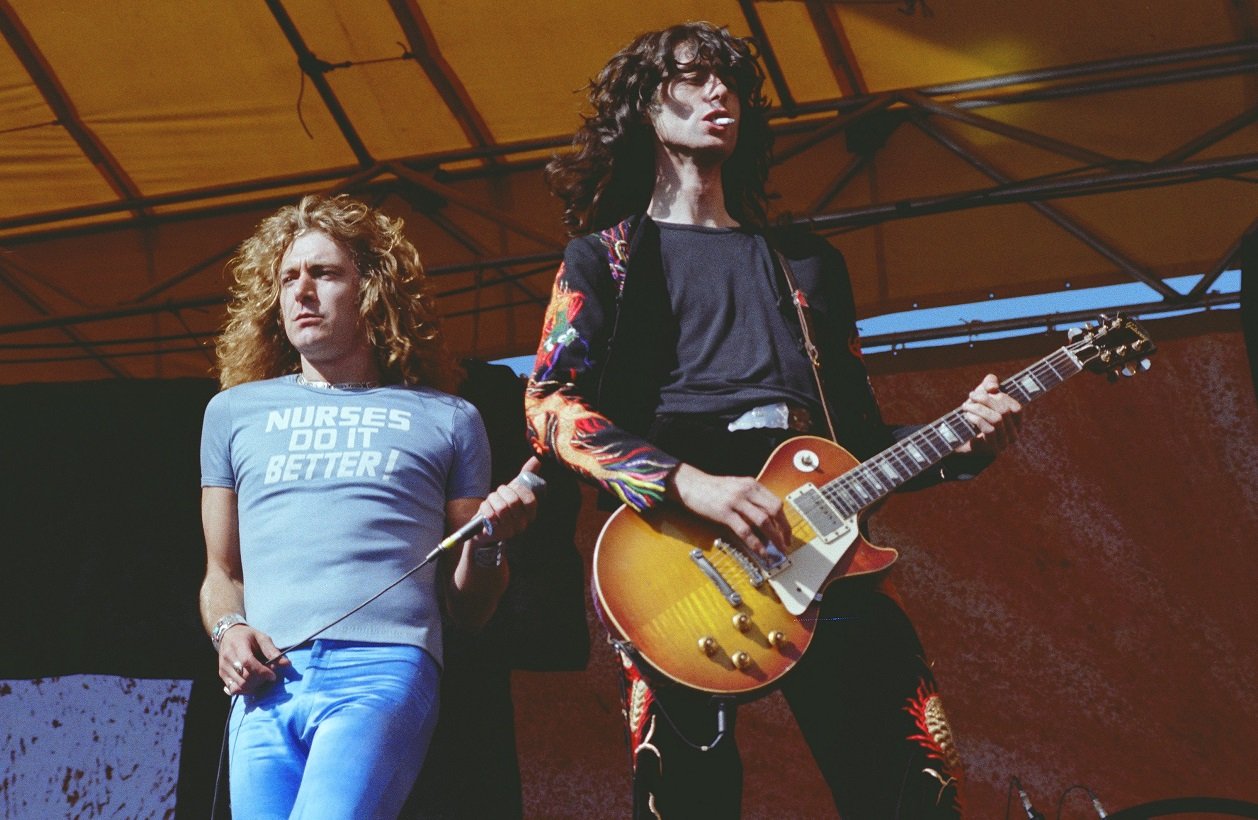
684	593
708	614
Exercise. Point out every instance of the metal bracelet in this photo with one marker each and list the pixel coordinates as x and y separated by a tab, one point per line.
222	625
489	556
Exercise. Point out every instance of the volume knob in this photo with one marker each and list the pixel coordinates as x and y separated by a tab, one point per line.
741	659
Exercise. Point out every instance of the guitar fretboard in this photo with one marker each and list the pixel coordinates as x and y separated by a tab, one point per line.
873	479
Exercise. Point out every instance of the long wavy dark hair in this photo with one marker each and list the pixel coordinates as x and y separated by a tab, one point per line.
611	172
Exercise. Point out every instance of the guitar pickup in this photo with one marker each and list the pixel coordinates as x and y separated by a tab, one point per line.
818	512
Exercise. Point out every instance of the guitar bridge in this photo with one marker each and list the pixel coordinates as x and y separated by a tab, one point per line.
714	574
754	576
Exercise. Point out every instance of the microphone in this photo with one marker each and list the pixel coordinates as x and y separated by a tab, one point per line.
481	524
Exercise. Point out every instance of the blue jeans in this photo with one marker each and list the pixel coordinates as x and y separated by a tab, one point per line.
341	733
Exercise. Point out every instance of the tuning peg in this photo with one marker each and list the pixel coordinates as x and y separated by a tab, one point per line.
1122	351
1074	334
1128	371
1139	345
1145	364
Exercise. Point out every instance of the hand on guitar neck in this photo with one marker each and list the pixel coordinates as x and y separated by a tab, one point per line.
756	516
995	414
743	505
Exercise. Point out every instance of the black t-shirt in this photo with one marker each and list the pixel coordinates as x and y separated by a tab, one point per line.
735	349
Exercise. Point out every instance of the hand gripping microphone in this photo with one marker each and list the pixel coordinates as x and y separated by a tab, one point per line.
481	524
531	480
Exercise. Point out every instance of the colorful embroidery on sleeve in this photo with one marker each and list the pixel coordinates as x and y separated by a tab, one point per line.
559	338
589	443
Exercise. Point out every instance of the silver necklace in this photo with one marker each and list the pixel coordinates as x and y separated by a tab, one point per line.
301	379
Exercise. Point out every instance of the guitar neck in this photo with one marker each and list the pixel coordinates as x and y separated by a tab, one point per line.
870	481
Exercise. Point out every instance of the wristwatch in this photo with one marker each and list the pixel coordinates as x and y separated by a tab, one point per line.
489	556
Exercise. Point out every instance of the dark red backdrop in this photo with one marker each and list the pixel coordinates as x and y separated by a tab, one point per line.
1088	601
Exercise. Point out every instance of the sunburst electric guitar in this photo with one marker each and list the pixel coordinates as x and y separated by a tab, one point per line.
706	612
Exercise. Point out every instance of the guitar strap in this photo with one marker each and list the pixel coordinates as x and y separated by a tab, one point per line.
800	301
616	242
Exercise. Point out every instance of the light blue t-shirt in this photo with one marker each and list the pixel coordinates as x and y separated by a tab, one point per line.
339	493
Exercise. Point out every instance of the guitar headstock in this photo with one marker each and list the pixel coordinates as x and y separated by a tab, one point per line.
1113	345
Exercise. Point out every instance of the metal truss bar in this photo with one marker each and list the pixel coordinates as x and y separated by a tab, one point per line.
315	68
34	302
1048	321
1064	222
501	262
424	46
159	200
1075	89
506	277
1214	135
196	303
1108	182
109	315
1199	289
429	161
181	276
15	268
770	58
471	203
1042	75
187	273
114	342
58	100
500	306
845	176
464	239
838	53
103	358
1056	146
1182	75
877	103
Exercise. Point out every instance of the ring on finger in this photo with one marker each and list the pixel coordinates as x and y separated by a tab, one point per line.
238	666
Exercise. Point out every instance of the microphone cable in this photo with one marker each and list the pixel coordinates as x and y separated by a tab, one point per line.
222	754
534	483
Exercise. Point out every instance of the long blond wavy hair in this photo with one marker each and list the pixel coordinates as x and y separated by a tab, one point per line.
394	297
